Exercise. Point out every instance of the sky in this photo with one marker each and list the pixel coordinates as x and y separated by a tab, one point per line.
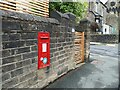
104	1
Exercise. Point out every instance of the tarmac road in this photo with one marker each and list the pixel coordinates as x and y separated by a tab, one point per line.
101	72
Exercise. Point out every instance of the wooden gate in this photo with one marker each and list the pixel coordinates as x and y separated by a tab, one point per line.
79	47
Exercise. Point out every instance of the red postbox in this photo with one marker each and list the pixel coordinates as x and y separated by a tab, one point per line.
43	49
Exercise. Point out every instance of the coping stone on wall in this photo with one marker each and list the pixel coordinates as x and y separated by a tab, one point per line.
65	16
53	20
79	29
25	16
55	14
71	16
85	20
58	15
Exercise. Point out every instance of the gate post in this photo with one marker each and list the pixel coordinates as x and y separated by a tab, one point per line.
85	26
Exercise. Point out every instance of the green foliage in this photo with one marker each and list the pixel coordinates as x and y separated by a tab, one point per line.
77	8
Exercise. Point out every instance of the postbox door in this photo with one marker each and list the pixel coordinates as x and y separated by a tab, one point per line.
43	52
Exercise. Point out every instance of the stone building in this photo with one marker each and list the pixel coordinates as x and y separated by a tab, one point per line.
98	13
112	17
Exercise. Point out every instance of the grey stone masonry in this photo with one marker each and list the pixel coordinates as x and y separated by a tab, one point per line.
104	38
20	49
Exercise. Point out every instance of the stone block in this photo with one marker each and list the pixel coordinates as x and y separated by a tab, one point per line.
27	76
5	37
10	25
13	37
23	50
17	72
34	48
5	77
25	36
8	68
30	55
6	53
11	59
31	42
14	44
10	83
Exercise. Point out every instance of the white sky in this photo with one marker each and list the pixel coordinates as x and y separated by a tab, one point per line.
104	1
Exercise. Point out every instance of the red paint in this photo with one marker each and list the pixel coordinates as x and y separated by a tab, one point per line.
43	38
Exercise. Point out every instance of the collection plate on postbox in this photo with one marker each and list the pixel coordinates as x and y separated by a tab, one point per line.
43	49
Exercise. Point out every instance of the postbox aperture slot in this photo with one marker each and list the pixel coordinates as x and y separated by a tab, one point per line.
44	37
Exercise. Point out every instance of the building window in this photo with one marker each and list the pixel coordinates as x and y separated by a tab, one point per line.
97	21
96	8
112	3
105	30
102	11
97	30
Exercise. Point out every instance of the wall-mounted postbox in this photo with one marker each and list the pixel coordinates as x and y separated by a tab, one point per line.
43	49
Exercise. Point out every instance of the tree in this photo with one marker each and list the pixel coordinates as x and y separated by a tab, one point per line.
77	8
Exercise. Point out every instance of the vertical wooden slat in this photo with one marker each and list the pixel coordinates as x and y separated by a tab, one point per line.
82	46
79	47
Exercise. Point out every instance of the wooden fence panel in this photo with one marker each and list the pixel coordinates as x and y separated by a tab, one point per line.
36	7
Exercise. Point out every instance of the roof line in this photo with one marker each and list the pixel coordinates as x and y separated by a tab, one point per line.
103	4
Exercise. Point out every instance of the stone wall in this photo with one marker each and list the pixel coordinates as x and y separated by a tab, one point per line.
106	38
19	50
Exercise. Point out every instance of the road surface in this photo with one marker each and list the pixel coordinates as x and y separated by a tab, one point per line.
101	72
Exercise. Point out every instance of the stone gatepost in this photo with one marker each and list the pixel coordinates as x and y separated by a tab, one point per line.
85	26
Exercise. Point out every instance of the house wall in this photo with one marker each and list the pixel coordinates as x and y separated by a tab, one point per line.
98	9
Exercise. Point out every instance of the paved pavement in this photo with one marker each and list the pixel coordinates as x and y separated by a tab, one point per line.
101	72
